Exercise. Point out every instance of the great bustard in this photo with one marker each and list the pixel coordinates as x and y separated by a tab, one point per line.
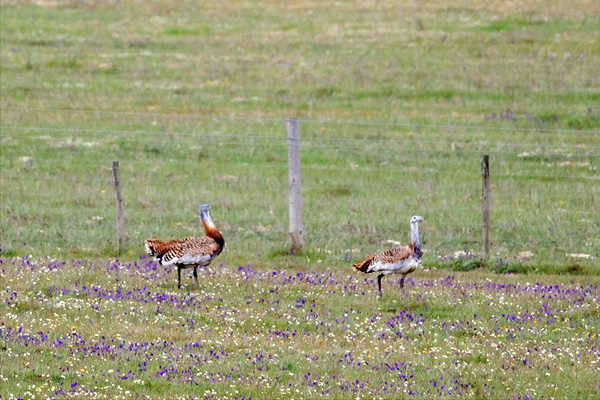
399	260
190	252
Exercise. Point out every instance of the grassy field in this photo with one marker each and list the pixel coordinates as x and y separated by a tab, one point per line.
119	330
397	104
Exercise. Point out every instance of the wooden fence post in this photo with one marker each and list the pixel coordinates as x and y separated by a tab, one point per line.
295	189
485	205
119	201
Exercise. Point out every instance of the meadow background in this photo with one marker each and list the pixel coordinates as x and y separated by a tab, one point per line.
396	104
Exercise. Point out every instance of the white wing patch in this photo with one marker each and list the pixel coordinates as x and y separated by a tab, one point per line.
401	267
191	260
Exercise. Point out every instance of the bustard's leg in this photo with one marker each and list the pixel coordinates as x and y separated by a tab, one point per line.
179	276
196	275
379	283
402	281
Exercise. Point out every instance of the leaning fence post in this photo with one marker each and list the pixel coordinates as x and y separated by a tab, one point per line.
119	201
295	189
485	204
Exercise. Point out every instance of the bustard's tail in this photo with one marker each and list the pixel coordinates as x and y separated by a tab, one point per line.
158	248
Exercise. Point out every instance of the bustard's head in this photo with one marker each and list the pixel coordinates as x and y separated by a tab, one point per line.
204	209
416	219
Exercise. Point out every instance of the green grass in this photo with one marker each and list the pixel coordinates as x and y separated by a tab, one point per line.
397	104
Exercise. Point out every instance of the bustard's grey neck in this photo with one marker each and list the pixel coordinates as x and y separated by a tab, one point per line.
414	239
207	221
205	216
